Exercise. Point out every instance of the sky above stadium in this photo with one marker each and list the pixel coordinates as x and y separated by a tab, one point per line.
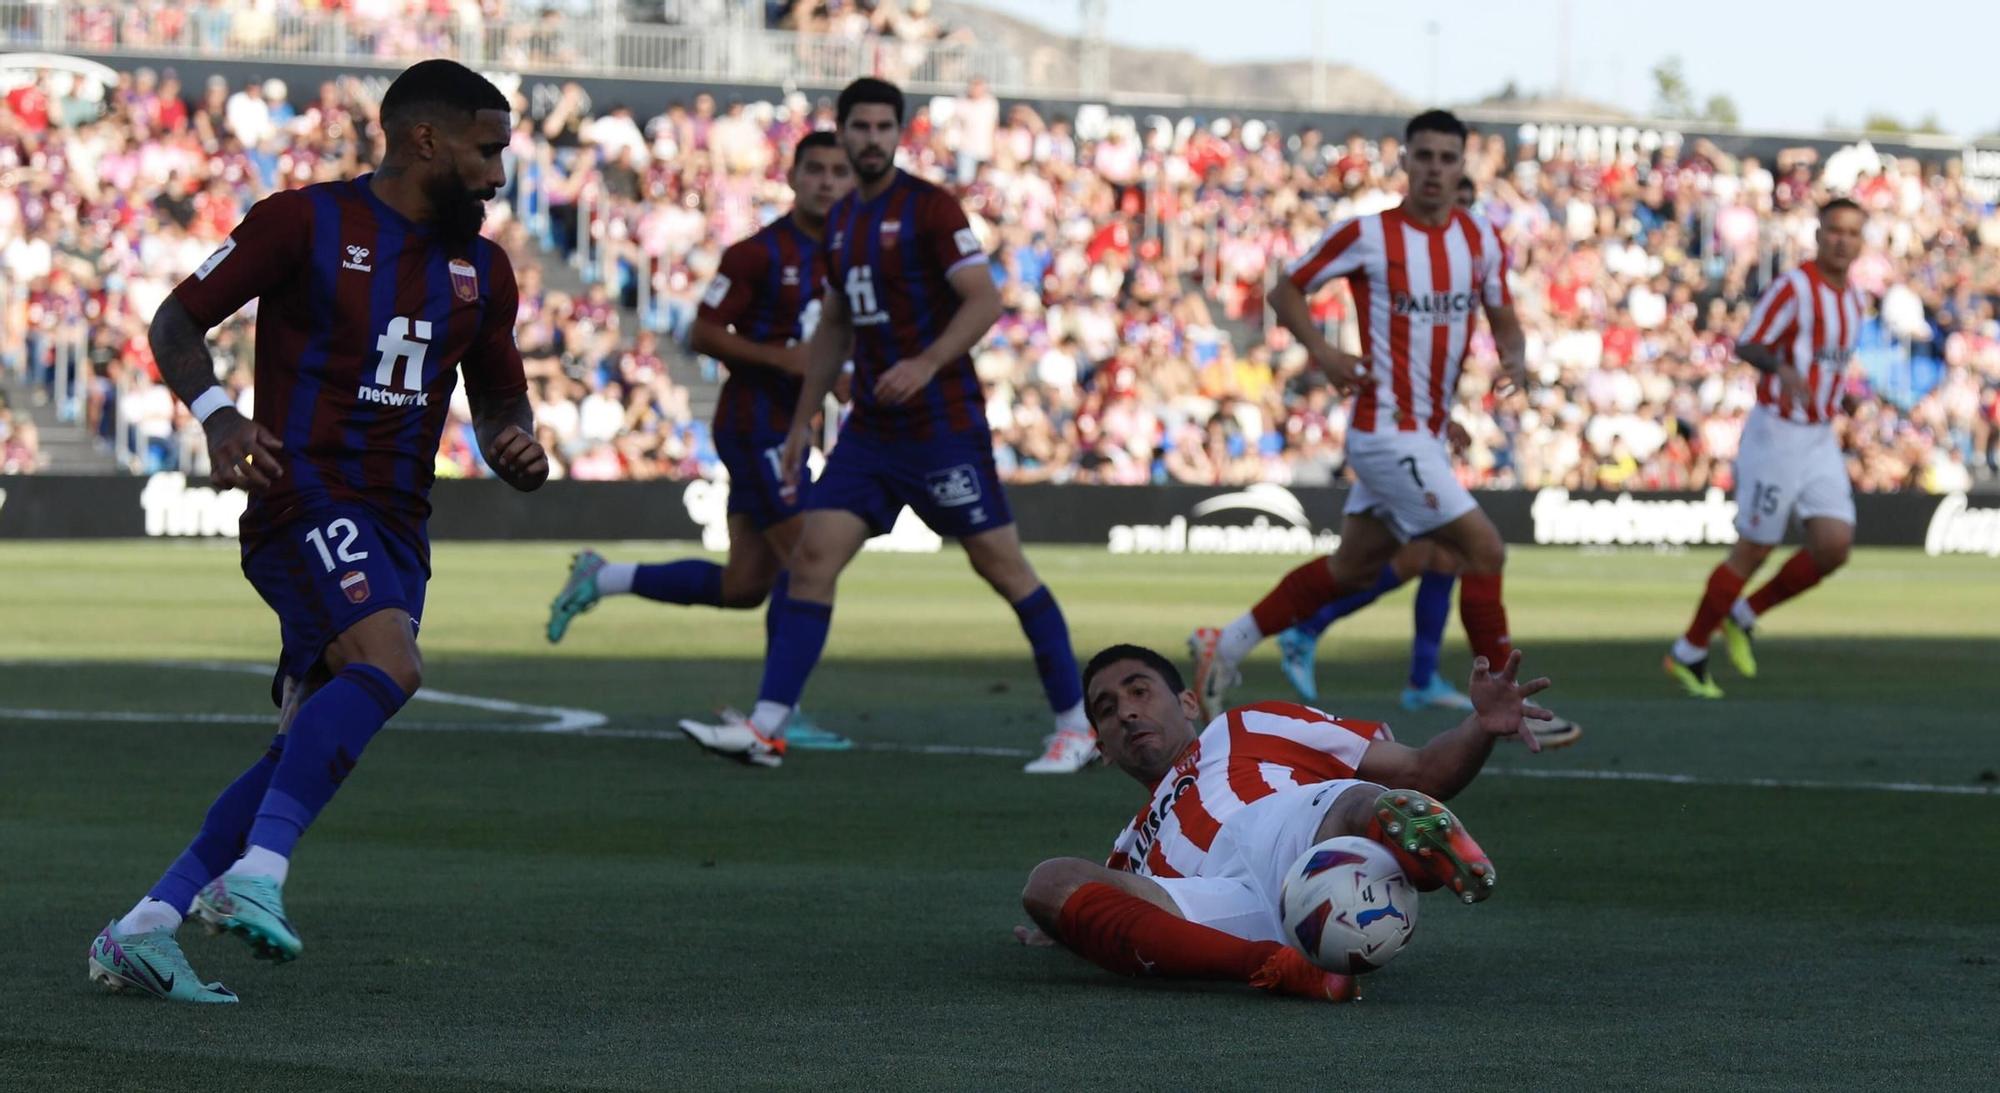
1787	66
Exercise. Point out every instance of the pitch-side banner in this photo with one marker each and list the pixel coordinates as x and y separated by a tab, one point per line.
1126	520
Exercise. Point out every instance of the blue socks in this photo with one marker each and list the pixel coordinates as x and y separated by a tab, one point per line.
223	833
1347	605
1048	634
326	740
797	631
690	582
1433	608
780	591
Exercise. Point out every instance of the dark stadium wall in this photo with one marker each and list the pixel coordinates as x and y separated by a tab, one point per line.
648	97
1170	519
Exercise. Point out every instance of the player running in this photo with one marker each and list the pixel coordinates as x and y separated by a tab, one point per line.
1800	337
371	295
1192	885
908	287
1434	567
1417	272
755	318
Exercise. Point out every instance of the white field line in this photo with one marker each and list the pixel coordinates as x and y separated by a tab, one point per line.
570	721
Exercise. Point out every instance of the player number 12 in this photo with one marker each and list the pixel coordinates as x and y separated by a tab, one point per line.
344	550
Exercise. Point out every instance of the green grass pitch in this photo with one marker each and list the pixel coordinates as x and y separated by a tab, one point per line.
527	910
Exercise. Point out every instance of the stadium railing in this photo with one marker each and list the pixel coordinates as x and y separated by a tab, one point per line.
610	46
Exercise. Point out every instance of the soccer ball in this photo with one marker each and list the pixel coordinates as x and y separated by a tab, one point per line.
1347	905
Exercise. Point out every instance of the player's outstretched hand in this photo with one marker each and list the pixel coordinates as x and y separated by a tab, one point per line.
518	459
901	383
241	453
1500	701
1033	937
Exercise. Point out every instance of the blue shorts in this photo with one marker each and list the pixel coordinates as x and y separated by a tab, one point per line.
950	482
755	490
325	571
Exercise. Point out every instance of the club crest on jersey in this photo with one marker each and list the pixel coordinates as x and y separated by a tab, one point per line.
954	486
357	259
464	280
354	584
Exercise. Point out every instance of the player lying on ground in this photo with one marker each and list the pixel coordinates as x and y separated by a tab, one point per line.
1192	885
1420	271
909	289
756	318
372	293
1801	339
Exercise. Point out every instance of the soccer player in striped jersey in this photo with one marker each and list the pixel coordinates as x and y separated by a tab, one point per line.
1418	272
909	288
756	318
1192	885
372	295
1800	338
1435	569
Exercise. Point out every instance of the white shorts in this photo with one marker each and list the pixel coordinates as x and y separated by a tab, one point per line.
1787	470
1240	880
1406	481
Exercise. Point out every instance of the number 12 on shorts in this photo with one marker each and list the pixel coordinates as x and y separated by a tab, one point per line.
345	532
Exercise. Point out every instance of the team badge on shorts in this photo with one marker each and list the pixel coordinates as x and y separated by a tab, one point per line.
1431	499
355	584
464	280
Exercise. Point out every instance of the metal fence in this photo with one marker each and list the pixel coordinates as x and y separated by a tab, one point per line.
604	46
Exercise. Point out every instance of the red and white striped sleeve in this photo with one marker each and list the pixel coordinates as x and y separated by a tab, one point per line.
1282	732
1776	312
1493	288
1338	253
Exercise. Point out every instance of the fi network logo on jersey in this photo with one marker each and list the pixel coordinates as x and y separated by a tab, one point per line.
405	343
357	259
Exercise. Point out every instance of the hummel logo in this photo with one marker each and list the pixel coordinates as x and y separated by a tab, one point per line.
357	259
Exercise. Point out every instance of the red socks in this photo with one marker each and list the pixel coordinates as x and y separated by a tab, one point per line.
1798	575
1724	585
1302	591
1485	618
1125	934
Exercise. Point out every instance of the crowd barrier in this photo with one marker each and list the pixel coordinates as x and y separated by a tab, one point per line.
1170	519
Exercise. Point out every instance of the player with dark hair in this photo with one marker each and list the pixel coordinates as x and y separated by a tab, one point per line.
1436	569
756	318
1192	887
1800	338
372	293
1418	272
908	287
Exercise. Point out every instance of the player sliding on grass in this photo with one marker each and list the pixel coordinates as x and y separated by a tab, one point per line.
1419	272
909	287
1192	886
756	318
372	294
1800	338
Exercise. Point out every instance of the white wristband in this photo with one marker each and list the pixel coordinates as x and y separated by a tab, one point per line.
208	402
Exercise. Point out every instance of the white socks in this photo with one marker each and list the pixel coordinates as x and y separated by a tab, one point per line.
1687	652
1073	720
769	717
1238	638
1744	617
259	862
615	579
147	915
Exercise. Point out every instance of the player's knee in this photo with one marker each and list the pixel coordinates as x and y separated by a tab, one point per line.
1049	886
1828	557
741	592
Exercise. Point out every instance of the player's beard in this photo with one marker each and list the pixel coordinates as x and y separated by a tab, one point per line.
871	170
460	212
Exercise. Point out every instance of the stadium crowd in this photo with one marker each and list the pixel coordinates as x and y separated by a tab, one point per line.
1134	347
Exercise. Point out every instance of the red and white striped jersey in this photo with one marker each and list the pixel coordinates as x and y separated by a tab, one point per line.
1246	754
1415	290
1812	326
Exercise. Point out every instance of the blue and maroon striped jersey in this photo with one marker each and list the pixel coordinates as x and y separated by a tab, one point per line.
892	257
363	320
767	288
